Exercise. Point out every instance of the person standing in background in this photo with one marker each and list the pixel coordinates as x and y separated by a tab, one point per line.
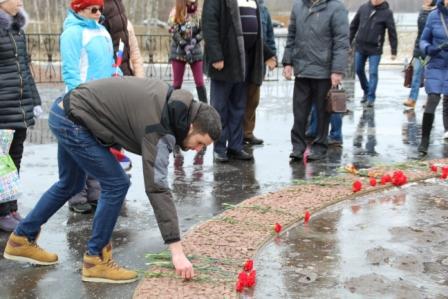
120	28
19	99
234	57
253	90
418	57
316	53
185	29
434	43
368	28
87	54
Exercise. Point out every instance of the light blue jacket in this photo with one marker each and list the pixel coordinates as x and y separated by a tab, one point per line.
86	51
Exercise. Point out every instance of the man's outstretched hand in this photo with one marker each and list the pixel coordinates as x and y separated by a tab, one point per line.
181	263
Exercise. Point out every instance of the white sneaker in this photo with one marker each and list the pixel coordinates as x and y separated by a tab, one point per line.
445	136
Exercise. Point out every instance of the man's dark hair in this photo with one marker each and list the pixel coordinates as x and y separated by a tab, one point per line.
207	121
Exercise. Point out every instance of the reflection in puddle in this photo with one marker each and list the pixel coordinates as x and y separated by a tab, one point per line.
388	245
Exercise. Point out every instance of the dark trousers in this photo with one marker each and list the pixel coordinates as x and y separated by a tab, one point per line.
253	98
229	99
16	153
306	92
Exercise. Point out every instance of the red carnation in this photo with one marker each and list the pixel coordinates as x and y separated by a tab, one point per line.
357	186
444	174
251	280
239	286
307	217
372	182
249	265
385	179
433	168
277	228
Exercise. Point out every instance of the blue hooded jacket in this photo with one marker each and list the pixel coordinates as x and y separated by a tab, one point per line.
434	34
86	51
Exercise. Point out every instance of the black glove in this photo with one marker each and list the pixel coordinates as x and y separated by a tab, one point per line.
432	50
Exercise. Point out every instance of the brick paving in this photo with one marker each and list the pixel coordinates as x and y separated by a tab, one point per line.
227	240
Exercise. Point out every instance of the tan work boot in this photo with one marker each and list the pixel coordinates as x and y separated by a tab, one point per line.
20	249
409	103
104	269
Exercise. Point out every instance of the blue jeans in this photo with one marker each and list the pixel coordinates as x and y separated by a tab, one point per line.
416	78
335	125
79	154
368	86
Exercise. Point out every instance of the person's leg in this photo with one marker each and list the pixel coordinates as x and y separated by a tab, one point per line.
427	122
237	106
7	220
312	124
71	176
335	136
219	98
198	76
360	67
445	115
416	79
16	149
253	99
178	73
301	109
319	93
374	61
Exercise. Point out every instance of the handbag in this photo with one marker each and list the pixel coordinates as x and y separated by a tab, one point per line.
337	100
409	74
9	179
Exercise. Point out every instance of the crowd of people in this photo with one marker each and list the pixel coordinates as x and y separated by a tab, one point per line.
109	105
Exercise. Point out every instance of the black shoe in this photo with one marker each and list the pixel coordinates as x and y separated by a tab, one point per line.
81	208
239	155
316	155
364	99
253	140
370	104
295	156
218	157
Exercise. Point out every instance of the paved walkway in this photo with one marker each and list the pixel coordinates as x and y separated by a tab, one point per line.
201	188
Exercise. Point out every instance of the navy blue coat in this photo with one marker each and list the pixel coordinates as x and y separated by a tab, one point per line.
436	72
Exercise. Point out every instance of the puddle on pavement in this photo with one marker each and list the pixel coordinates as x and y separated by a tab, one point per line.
388	245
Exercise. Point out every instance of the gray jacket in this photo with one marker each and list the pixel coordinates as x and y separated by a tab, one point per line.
318	39
146	118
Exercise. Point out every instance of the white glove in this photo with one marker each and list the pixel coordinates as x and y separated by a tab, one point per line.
37	110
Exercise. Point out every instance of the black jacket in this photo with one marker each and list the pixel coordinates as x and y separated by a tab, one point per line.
421	22
369	26
18	92
223	40
116	23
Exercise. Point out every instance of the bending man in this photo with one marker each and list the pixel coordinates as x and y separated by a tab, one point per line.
145	117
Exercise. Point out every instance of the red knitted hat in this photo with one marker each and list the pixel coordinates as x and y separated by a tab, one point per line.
78	5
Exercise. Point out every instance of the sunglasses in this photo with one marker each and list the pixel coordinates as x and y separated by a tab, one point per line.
94	10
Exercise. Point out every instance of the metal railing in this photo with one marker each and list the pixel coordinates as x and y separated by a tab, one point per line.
45	58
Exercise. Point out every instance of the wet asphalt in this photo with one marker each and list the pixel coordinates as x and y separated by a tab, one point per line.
391	244
384	134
